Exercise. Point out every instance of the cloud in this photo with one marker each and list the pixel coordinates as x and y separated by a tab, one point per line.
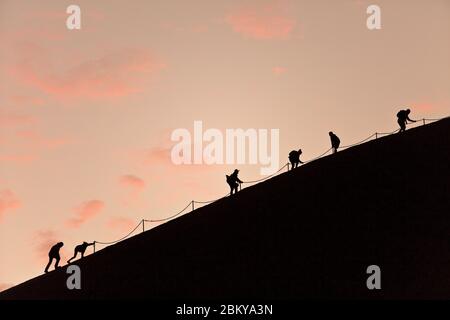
133	182
423	107
121	224
26	100
35	139
85	212
157	155
262	22
24	146
112	76
278	70
8	202
18	158
134	187
179	27
13	119
430	106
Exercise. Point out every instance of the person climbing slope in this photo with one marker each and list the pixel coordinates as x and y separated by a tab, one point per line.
233	181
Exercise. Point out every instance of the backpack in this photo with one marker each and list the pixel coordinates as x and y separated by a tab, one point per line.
399	114
293	155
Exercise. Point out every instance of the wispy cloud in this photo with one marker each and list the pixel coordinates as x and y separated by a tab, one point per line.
278	70
134	186
114	75
24	146
18	158
8	202
14	119
85	212
35	139
263	22
19	100
133	182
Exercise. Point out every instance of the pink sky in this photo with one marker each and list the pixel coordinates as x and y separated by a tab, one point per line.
86	116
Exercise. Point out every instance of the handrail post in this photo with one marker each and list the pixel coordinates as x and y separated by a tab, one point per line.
423	121
143	225
94	245
376	135
192	203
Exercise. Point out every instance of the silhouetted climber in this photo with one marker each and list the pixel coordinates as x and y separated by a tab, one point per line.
403	118
294	158
54	254
335	142
81	248
233	181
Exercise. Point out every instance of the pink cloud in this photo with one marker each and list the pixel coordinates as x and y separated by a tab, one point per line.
8	202
41	33
157	155
21	140
25	146
121	224
278	70
111	76
18	158
37	140
12	119
263	22
425	107
26	100
85	212
133	182
135	186
171	26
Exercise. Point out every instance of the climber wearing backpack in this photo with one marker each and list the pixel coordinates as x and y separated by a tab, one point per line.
233	181
294	158
403	118
335	141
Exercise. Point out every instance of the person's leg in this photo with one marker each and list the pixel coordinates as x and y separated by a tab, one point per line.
57	262
403	128
48	264
402	125
292	165
74	256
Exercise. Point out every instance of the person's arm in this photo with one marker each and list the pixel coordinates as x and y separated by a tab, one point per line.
91	244
239	180
408	119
